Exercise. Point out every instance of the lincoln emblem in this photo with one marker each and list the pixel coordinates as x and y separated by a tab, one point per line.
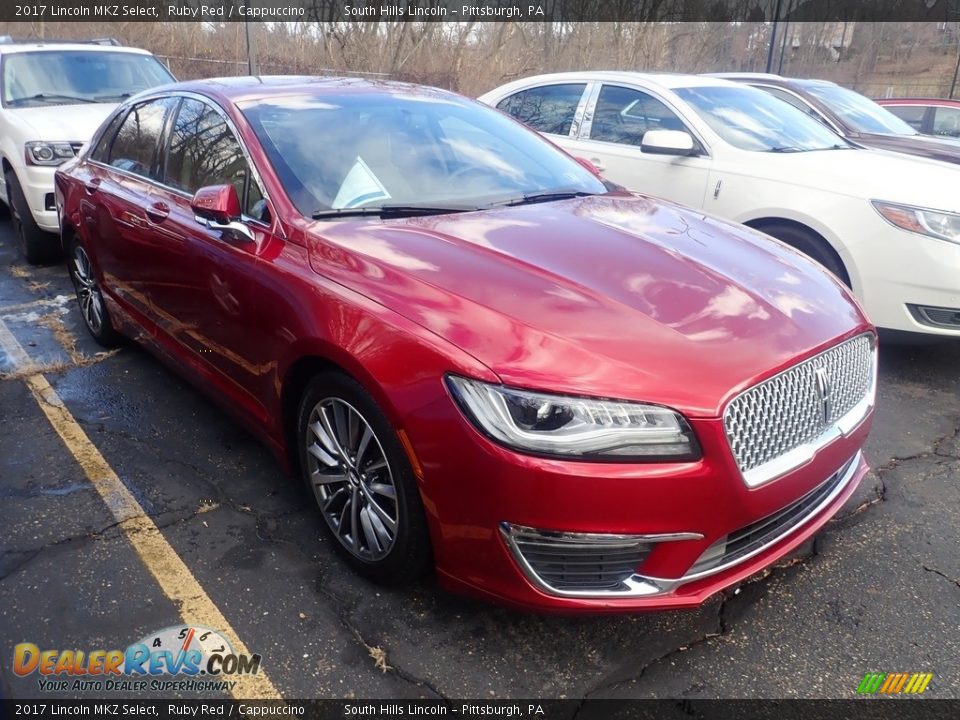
823	390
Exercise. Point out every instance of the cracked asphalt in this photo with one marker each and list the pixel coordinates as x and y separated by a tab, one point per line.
877	591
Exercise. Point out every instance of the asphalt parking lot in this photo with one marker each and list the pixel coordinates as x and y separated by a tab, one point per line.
879	591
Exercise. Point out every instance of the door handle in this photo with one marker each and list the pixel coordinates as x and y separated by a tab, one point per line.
92	185
598	164
158	212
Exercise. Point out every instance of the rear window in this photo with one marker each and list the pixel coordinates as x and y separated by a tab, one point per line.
548	109
911	114
134	149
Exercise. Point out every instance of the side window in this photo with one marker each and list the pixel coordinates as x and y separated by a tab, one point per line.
548	109
624	115
101	153
911	114
946	121
203	151
135	147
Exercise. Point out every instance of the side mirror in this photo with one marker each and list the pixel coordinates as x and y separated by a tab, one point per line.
218	208
667	142
219	203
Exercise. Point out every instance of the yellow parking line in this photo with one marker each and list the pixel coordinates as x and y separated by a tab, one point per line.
171	573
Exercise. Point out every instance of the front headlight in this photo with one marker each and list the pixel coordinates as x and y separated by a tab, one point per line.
574	427
933	223
47	153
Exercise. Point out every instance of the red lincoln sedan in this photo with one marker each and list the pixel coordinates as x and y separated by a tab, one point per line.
477	357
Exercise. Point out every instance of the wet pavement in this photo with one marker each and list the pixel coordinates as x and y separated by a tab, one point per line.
879	590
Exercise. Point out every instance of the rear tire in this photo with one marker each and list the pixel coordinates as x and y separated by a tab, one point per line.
810	244
93	309
39	247
359	474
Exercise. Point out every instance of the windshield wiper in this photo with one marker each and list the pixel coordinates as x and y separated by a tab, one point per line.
538	197
785	149
54	96
385	211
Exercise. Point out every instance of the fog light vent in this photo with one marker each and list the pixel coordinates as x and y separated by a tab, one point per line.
577	561
48	202
936	316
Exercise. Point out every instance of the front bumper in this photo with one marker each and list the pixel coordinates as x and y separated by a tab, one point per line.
910	282
38	188
727	553
696	504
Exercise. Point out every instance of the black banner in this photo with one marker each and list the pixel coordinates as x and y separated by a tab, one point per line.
855	709
217	11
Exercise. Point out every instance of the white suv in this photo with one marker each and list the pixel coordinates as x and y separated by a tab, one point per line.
52	98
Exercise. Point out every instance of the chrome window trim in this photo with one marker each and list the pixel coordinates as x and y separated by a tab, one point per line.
580	115
588	112
272	226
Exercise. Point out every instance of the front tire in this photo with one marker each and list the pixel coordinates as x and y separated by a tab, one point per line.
39	247
90	298
358	472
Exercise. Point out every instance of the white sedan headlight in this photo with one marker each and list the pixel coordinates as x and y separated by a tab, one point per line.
933	223
574	427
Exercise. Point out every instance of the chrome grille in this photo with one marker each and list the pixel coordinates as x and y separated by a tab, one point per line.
795	408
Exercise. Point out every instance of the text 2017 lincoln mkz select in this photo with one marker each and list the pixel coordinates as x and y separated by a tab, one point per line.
478	358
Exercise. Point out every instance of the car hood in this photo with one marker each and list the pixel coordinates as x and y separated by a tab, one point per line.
69	123
617	296
919	145
860	173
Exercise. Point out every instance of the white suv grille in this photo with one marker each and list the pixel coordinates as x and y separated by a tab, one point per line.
778	424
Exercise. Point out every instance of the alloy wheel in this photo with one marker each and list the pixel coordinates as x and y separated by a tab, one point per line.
88	293
352	479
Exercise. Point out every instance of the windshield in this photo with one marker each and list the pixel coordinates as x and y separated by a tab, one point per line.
393	148
860	113
751	119
34	79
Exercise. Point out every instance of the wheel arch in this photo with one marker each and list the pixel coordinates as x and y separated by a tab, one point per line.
816	231
306	364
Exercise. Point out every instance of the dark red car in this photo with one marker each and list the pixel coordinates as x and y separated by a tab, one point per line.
852	116
930	116
477	357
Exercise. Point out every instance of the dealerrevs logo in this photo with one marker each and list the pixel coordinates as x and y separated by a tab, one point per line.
175	658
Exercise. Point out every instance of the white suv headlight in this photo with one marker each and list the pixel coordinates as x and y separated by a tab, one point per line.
933	223
38	152
575	427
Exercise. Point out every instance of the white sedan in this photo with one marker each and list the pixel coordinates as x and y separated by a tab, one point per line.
887	225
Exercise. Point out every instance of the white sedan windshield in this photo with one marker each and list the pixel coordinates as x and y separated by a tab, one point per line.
751	119
857	111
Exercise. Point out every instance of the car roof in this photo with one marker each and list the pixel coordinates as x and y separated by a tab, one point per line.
12	48
772	79
252	88
945	102
669	81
